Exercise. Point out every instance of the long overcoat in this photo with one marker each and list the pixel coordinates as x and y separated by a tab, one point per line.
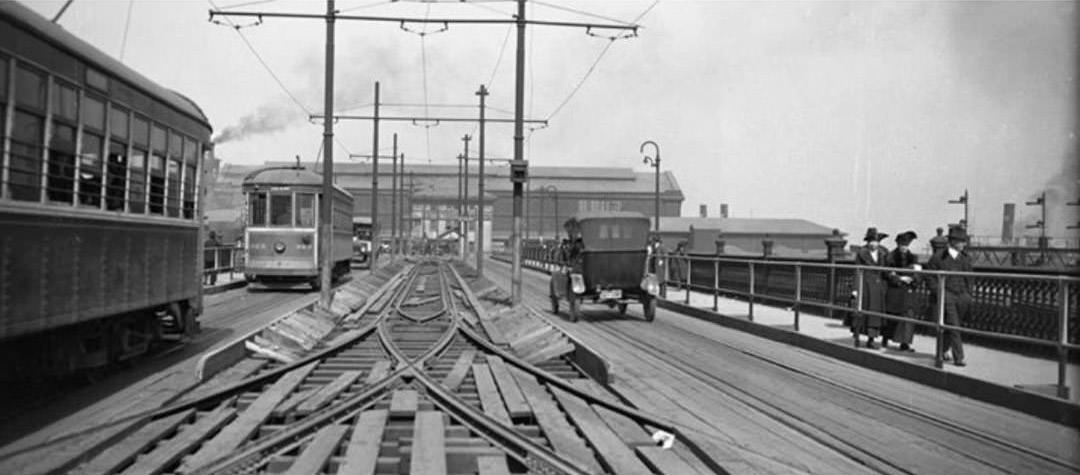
873	291
899	296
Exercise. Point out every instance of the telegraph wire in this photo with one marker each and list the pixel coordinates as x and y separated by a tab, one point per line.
245	4
366	5
582	12
127	26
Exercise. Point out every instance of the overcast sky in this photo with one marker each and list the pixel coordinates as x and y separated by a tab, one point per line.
846	114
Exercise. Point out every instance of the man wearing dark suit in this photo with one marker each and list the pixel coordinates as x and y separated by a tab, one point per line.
957	289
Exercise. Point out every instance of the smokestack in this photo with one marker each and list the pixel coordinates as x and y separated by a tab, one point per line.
703	211
723	210
1008	221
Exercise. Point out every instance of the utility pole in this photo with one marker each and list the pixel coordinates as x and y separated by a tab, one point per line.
461	247
375	244
1041	223
480	191
326	204
519	152
465	199
393	202
1070	203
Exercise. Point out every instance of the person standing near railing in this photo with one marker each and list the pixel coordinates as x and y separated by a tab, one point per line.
957	289
899	299
210	250
873	289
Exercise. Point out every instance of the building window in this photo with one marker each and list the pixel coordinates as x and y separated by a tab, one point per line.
61	179
116	176
137	181
90	170
257	209
280	210
305	210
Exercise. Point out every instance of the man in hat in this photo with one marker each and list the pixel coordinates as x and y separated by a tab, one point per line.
957	289
898	297
872	292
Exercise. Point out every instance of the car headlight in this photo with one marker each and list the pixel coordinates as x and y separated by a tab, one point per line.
577	283
650	284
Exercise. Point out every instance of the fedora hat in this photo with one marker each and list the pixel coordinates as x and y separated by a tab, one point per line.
958	234
872	234
906	237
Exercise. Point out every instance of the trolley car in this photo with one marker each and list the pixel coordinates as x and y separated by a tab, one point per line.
99	204
362	250
282	228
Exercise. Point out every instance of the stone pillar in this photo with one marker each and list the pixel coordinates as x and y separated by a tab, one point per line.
720	243
938	243
834	247
767	246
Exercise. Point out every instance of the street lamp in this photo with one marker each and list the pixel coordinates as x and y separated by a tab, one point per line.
654	162
555	190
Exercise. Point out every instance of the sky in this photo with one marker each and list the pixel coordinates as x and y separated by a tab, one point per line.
848	114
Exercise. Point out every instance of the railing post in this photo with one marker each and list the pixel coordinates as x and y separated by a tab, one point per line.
858	298
716	285
750	313
217	259
798	294
939	352
1063	338
663	282
689	263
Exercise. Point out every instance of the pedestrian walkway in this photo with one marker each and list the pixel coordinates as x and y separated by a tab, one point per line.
992	365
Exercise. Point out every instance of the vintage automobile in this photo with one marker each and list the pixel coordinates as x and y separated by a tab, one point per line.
605	260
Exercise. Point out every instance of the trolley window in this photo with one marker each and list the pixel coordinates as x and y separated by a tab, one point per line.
27	135
280	209
90	170
305	210
3	100
61	179
65	102
157	170
257	209
29	88
118	122
137	181
116	174
176	144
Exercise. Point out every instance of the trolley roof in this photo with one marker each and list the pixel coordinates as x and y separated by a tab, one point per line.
286	176
63	39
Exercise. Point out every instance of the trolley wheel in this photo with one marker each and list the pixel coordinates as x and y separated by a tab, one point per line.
575	308
650	308
622	309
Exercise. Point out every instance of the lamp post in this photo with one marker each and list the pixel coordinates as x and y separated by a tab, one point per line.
555	190
654	162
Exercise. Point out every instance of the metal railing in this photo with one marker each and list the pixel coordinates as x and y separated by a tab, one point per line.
1037	310
221	259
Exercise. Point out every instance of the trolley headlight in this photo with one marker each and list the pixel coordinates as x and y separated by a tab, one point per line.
650	284
279	247
577	283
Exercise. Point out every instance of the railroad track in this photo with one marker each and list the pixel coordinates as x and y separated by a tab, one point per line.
411	387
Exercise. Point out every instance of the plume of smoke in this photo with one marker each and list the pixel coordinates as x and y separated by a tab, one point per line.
268	118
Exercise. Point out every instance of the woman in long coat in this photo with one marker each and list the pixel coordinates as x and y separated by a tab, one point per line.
872	292
899	299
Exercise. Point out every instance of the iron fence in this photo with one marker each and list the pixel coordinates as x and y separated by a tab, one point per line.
222	259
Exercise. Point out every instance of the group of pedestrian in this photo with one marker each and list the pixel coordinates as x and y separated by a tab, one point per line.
891	291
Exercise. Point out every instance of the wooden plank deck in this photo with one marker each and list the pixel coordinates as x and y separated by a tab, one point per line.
511	393
403	403
614	451
362	452
116	456
429	445
562	437
318	452
460	370
168	453
327	393
490	399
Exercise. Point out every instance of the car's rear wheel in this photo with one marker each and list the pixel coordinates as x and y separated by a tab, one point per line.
650	308
622	309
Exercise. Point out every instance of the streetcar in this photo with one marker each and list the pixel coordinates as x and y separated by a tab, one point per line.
282	228
362	251
605	260
99	204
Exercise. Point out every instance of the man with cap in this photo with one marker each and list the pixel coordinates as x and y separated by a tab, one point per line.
898	297
957	289
872	292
